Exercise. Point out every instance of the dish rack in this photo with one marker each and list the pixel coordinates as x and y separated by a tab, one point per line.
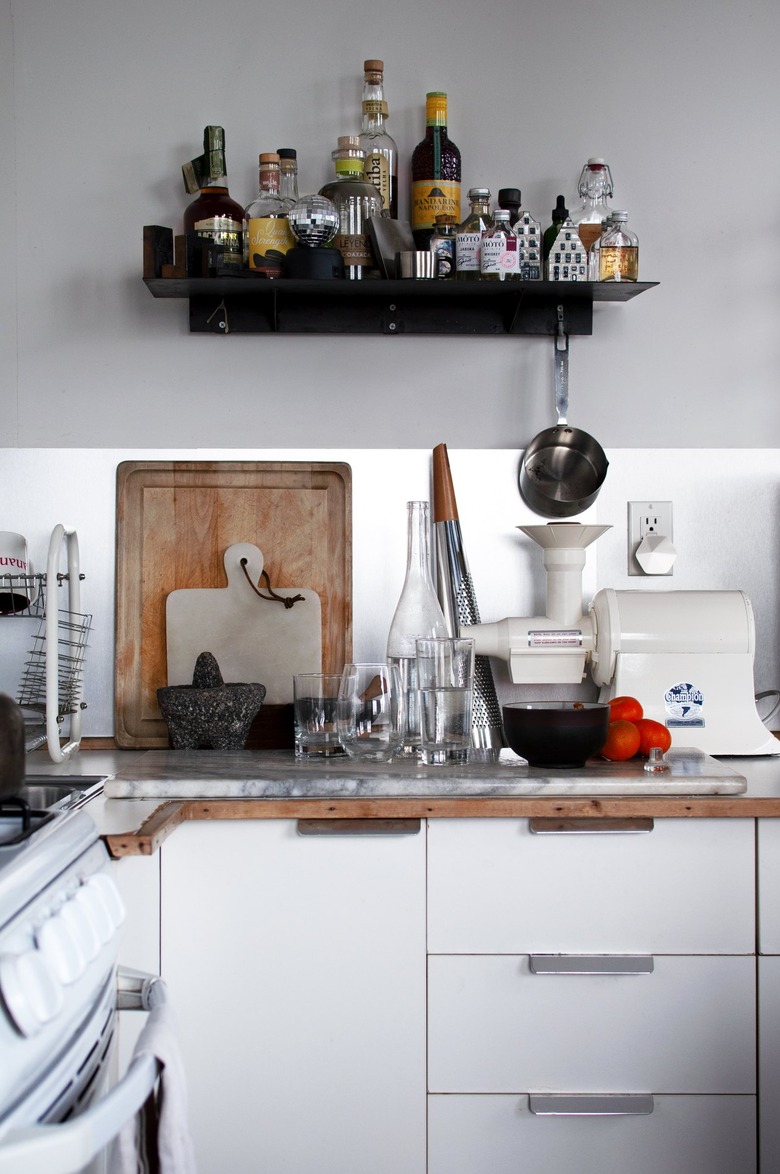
51	683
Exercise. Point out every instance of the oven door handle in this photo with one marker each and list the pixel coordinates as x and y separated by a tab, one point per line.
67	1147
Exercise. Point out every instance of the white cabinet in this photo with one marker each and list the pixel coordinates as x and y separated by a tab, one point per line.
592	964
769	991
296	966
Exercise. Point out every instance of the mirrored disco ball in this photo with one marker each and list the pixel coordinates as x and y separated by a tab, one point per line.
314	221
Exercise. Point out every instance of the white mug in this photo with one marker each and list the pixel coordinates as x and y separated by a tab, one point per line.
18	587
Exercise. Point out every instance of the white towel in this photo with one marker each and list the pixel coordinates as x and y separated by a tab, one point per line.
157	1139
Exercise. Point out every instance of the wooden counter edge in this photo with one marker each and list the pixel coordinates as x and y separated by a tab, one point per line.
165	819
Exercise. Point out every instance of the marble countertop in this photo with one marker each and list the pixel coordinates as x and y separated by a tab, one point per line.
246	774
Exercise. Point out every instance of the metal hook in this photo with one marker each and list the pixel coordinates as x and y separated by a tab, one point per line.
224	326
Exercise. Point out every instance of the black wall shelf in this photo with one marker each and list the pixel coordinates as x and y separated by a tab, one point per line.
249	305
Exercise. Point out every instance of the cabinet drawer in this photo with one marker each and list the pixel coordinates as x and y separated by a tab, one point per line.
769	886
682	1135
686	887
496	1026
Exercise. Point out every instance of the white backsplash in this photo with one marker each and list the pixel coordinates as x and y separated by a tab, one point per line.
726	509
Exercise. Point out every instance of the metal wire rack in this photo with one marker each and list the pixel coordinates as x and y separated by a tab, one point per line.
51	685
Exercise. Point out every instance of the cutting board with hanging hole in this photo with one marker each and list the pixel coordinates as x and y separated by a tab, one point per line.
175	521
254	637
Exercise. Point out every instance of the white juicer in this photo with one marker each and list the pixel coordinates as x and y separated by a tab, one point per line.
687	656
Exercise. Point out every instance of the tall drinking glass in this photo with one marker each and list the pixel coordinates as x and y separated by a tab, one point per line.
445	680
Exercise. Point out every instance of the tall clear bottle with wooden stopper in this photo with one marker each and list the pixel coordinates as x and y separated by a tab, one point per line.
381	162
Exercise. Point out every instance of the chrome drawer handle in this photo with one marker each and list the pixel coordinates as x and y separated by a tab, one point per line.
541	825
358	827
591	963
584	1105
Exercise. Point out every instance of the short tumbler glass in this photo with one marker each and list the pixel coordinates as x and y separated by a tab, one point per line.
445	681
370	714
315	701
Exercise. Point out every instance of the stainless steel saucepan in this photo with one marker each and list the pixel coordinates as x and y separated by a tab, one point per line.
563	468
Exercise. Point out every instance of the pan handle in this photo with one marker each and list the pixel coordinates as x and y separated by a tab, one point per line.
561	370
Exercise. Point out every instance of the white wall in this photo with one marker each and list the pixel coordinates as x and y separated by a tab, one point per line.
105	101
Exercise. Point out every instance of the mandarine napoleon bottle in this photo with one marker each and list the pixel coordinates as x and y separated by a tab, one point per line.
435	172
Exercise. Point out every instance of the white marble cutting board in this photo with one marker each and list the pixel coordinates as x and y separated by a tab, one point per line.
245	774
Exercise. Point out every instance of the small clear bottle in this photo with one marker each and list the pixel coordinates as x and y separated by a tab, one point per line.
470	233
443	245
356	201
619	251
418	614
595	189
288	185
498	254
267	232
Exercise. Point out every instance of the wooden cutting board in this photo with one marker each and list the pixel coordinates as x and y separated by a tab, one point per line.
176	519
255	638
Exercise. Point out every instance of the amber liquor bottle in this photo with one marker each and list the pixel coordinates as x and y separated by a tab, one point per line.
213	223
435	172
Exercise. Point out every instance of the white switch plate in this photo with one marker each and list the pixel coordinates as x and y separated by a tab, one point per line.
647	517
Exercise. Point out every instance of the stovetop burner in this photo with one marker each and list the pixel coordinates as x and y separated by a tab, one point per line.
19	821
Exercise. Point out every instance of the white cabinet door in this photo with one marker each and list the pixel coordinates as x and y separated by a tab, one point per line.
296	966
689	1026
138	881
682	1135
769	886
686	887
769	1061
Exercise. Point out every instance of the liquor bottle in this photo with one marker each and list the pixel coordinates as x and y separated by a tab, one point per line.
418	614
594	253
470	233
356	201
559	213
498	253
435	172
381	164
288	184
443	245
619	251
213	223
511	199
267	232
595	188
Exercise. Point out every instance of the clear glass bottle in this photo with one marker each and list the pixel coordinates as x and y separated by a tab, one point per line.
288	186
435	172
267	232
595	189
417	614
443	245
470	233
356	201
498	253
619	251
559	213
381	163
213	219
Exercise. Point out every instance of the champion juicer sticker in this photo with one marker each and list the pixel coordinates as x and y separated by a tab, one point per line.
684	705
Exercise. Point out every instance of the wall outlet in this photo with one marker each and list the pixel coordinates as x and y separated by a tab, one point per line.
646	517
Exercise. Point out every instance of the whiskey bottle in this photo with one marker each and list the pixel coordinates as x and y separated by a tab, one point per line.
435	172
356	201
498	253
469	235
381	162
619	251
213	223
267	232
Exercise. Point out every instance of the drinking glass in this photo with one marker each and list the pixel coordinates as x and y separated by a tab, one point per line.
370	711
445	680
315	701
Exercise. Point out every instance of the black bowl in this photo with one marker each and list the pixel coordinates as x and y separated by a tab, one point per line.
556	733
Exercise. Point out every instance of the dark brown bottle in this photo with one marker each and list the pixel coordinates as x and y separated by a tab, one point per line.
213	223
435	172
